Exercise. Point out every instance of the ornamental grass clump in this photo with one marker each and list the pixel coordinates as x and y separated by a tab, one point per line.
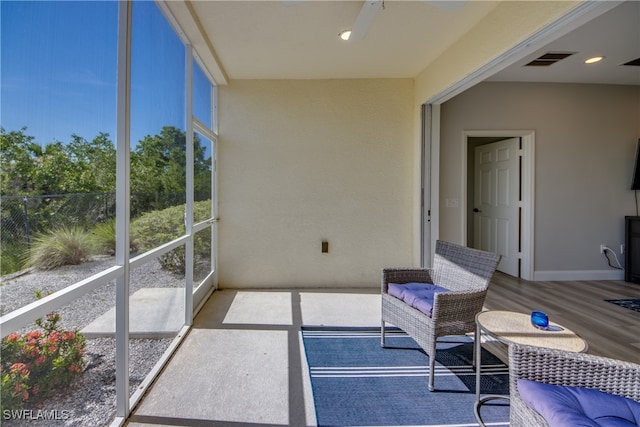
38	362
61	246
103	236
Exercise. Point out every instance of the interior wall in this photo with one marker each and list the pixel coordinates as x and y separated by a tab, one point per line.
306	161
507	25
585	142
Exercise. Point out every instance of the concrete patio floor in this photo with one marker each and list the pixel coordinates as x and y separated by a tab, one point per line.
153	313
243	362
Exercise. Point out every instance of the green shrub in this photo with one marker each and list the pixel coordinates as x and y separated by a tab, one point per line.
13	257
156	228
61	246
39	362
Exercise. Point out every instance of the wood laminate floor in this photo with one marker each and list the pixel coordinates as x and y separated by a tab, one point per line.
611	331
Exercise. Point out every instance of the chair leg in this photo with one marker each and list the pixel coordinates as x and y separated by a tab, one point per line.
476	338
382	333
432	366
432	363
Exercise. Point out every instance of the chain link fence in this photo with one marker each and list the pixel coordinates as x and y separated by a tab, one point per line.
22	217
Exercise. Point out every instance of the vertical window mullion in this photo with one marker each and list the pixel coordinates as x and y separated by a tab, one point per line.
214	108
123	121
189	250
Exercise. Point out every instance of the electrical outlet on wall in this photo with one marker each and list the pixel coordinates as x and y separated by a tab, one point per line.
621	248
602	248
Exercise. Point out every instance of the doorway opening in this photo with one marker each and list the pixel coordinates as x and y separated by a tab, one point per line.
499	197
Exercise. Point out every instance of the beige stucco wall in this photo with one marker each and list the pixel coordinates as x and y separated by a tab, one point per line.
310	160
303	161
585	142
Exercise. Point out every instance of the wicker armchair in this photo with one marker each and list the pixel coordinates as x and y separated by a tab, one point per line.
465	272
567	369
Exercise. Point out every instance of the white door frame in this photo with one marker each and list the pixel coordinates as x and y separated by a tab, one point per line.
527	185
430	188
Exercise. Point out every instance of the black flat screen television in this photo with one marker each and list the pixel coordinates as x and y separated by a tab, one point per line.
635	184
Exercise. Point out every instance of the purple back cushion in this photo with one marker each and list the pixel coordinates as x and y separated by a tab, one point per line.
579	407
417	295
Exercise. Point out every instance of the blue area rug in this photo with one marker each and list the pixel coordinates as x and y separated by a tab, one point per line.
355	382
630	303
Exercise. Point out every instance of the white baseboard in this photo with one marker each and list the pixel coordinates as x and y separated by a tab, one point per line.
563	275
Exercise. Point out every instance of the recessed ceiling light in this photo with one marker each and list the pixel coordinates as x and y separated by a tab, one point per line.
344	35
594	60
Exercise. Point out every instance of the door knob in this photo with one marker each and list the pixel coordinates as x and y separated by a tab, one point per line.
476	210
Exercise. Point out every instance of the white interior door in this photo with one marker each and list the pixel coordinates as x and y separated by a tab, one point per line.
497	201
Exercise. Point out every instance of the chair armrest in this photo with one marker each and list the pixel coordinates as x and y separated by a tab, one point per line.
573	370
404	275
458	306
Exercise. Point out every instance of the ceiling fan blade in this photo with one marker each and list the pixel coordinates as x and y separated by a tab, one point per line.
364	19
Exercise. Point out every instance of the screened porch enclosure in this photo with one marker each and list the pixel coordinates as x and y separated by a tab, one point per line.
109	140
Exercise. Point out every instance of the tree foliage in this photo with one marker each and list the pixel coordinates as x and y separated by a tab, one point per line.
18	152
79	179
80	166
158	167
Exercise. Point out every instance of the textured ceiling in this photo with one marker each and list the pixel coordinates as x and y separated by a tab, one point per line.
614	35
298	39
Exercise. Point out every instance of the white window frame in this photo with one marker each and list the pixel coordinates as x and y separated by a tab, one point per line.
26	315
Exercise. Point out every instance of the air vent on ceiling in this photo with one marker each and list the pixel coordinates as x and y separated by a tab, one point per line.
549	59
635	62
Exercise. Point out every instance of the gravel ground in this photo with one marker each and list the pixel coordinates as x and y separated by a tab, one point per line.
90	400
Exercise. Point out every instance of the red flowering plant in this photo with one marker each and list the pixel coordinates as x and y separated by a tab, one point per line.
38	362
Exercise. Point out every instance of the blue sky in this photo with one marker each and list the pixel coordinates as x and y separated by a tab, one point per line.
59	63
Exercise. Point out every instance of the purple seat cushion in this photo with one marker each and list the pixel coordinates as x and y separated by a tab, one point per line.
418	295
579	407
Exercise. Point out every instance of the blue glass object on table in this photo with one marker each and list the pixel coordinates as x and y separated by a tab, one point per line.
540	320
